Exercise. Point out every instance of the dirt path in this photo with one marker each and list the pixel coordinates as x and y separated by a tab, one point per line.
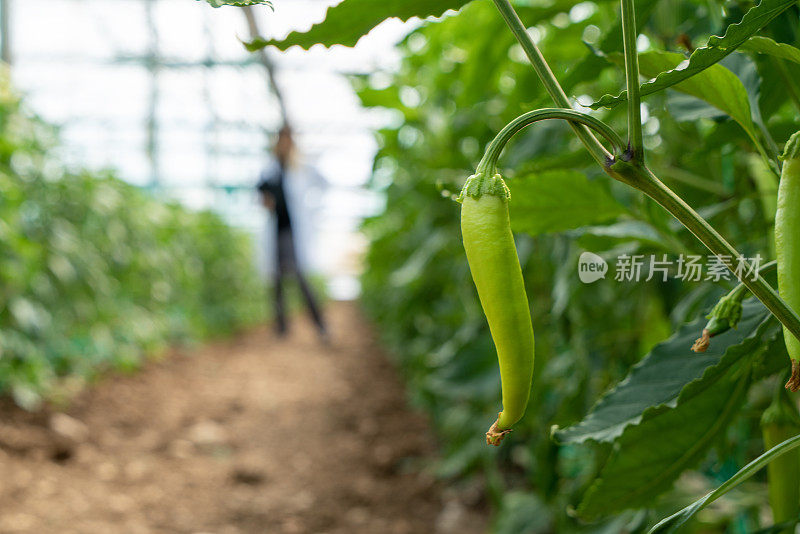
256	435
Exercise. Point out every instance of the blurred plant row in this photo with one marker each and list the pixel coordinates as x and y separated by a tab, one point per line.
97	274
461	80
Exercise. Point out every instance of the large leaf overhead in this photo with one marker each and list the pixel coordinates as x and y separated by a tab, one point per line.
716	50
716	85
350	20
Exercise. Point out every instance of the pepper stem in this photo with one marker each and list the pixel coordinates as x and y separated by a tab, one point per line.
488	163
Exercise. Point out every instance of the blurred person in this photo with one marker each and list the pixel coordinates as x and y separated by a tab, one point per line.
272	187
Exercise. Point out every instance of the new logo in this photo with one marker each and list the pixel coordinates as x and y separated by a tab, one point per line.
591	267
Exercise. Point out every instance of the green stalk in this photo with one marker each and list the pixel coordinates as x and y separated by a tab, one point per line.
643	179
632	80
551	85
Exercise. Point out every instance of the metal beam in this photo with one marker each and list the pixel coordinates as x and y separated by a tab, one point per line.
263	57
5	31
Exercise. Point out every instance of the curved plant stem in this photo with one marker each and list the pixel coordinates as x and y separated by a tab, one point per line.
489	160
632	80
547	77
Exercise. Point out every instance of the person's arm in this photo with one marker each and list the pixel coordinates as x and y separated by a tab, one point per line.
265	192
267	200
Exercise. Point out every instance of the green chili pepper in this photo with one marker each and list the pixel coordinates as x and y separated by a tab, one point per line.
787	246
493	261
727	312
726	315
779	422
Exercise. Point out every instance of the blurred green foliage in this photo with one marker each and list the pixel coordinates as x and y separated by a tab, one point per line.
96	274
461	80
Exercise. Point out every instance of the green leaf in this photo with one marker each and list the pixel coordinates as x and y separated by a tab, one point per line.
660	378
671	388
603	237
675	521
686	108
765	45
555	201
706	56
239	3
350	20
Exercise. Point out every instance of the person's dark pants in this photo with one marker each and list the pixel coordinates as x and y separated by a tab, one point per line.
286	264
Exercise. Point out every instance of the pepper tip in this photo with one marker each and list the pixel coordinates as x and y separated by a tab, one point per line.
495	435
702	343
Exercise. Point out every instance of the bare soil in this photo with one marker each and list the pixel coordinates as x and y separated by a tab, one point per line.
252	435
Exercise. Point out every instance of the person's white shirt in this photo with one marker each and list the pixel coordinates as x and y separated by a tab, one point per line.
304	187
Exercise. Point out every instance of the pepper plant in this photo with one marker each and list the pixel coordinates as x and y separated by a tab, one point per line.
98	274
715	123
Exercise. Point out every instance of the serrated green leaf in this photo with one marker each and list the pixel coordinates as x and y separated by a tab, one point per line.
765	45
716	85
707	56
674	522
661	376
555	201
648	458
648	455
350	20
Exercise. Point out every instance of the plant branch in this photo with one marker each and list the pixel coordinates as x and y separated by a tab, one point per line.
642	178
551	85
632	80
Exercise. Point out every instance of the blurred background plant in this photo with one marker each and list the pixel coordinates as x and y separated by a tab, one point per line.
97	273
